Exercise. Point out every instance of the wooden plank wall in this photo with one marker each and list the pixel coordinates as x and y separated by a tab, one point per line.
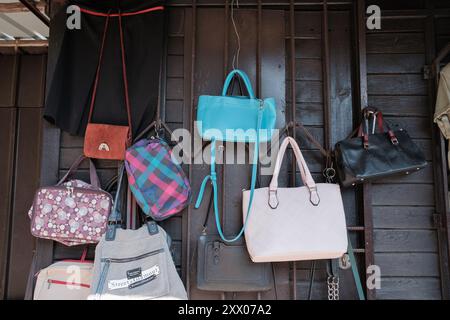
405	237
22	81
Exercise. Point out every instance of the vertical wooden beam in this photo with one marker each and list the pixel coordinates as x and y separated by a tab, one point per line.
360	38
326	77
293	119
189	53
439	158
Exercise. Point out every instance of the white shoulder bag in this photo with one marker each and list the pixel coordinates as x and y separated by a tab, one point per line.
302	223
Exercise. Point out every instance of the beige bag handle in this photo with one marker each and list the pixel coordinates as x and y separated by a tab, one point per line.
307	178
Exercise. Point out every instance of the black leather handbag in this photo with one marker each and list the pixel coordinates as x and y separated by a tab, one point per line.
370	155
227	267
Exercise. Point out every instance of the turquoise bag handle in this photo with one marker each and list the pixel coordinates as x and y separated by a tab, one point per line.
355	272
244	77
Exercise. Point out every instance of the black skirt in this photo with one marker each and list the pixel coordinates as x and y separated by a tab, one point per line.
73	58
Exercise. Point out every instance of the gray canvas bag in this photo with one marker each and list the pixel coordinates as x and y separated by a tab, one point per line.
137	265
134	264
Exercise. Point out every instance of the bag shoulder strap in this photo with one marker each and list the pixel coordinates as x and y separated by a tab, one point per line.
124	70
355	271
213	178
115	217
94	180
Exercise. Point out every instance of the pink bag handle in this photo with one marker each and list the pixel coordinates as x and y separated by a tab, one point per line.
73	168
307	178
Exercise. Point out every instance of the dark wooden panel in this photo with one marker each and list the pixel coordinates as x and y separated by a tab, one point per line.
403	194
307	24
7	138
307	69
401	105
176	23
175	46
175	66
308	49
409	288
398	4
442	26
70	141
310	114
408	264
396	85
306	91
396	43
175	89
395	63
7	80
32	81
403	217
26	181
405	241
389	24
174	111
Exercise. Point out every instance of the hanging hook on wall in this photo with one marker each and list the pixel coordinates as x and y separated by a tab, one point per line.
235	62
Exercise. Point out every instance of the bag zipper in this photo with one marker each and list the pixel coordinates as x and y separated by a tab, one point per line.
124	260
51	281
108	262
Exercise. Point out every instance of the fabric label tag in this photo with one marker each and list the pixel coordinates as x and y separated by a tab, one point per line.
125	282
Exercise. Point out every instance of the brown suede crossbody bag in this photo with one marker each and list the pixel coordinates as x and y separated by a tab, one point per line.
107	141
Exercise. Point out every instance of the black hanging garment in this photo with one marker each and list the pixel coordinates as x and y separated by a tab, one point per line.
73	58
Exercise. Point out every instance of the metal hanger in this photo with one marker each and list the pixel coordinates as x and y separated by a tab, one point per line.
235	62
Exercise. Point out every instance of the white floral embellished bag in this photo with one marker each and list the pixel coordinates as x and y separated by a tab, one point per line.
72	212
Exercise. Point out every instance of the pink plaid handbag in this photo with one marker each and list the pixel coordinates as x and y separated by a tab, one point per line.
72	212
157	181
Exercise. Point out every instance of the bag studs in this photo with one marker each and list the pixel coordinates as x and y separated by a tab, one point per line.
103	147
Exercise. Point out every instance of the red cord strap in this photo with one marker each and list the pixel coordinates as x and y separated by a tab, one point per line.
126	14
124	70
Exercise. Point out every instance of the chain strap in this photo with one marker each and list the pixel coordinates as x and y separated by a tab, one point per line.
333	287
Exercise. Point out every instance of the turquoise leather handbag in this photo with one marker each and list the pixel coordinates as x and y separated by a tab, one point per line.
234	119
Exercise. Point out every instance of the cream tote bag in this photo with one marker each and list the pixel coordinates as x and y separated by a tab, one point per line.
289	224
64	280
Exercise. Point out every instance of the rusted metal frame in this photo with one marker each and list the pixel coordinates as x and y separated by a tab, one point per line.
222	149
259	50
266	4
191	128
293	119
23	43
441	216
259	70
361	88
326	77
12	156
35	10
15	7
